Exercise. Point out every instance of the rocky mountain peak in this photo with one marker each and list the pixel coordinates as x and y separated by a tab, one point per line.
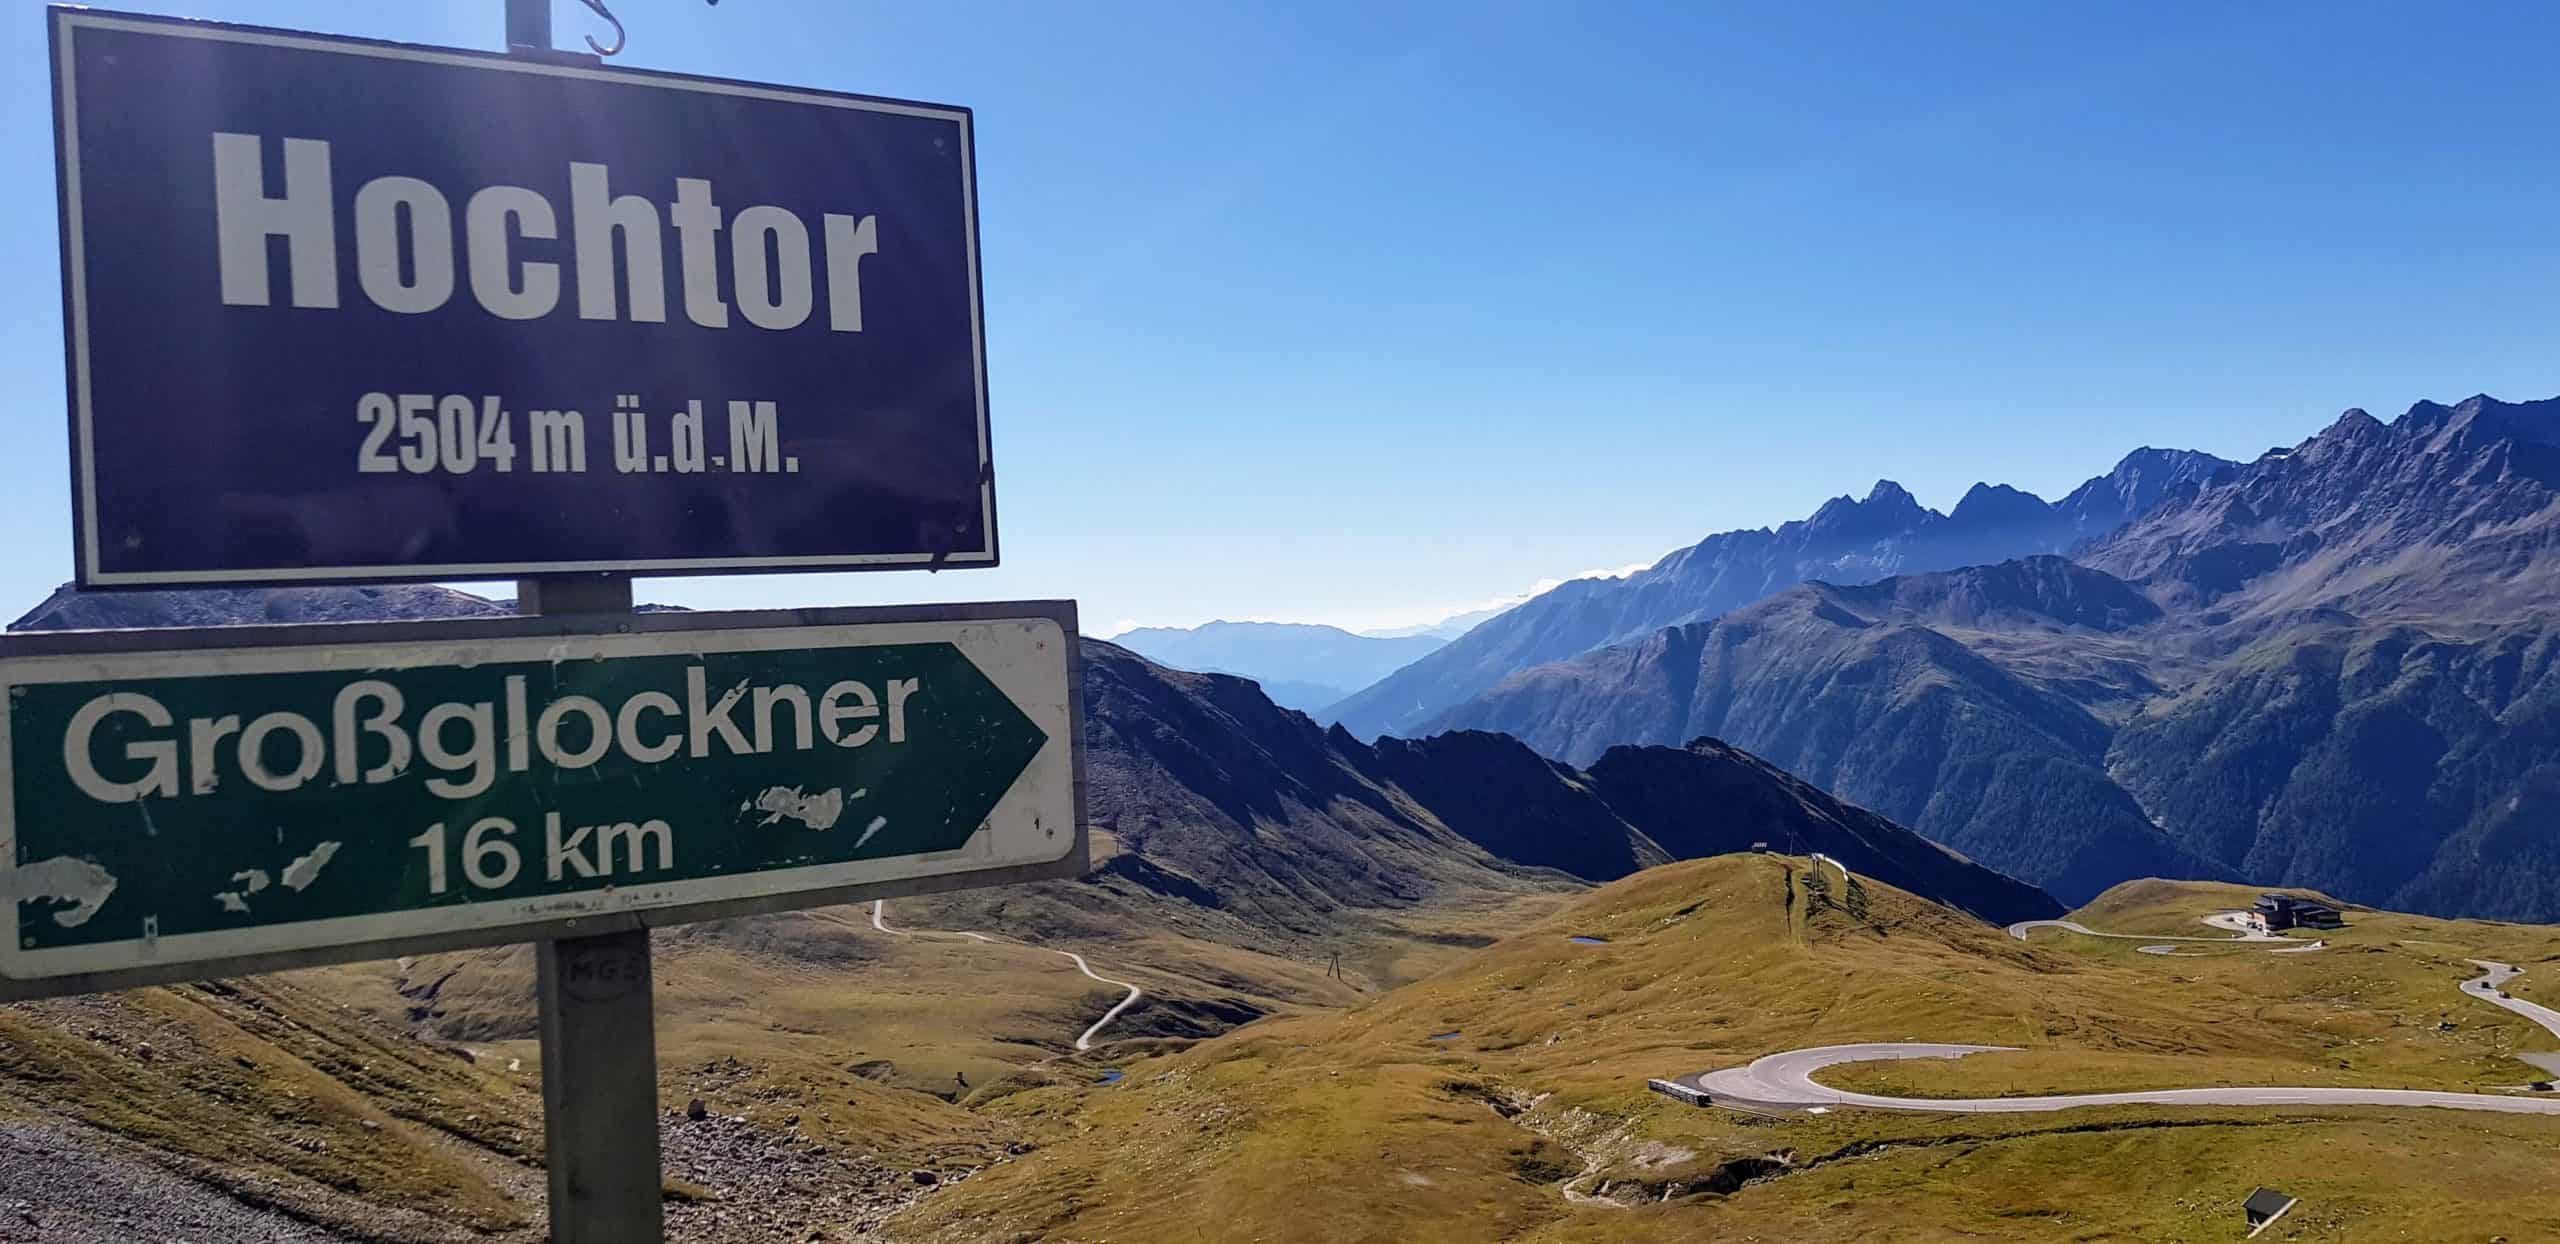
2474	483
1889	509
2159	468
1999	504
2138	483
1892	496
2483	419
1846	541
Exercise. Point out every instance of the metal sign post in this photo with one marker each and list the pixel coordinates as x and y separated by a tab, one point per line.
529	25
599	1014
600	1088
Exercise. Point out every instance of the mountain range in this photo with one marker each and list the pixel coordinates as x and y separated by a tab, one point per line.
1255	827
1303	666
1845	541
2332	667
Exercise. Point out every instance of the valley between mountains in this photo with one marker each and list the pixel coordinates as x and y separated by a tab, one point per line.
1787	790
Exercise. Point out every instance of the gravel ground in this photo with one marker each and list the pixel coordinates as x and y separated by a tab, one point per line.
60	1184
774	1190
57	1187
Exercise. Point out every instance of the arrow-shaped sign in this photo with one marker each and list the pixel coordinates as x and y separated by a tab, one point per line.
178	805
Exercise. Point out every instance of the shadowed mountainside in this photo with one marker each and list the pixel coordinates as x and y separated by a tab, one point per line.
1214	792
1867	693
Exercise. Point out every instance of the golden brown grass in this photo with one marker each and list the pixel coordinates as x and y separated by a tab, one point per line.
415	1085
866	1039
1532	1122
265	1084
1499	1096
2379	1008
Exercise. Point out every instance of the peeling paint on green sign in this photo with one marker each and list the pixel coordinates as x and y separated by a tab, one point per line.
172	806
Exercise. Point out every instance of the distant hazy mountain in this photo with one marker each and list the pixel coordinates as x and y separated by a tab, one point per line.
1845	541
1446	628
1302	666
2336	667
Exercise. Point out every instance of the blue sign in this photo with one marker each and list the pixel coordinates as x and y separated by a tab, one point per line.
344	310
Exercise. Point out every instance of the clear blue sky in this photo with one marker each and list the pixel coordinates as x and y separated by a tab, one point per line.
1364	312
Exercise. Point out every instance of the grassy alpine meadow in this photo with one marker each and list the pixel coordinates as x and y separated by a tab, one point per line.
821	1025
1504	1098
403	1097
2379	1007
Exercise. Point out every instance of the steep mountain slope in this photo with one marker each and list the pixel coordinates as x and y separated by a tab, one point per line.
1711	798
2383	763
1845	541
1301	666
1210	792
1206	781
1868	692
268	1091
2331	667
2388	725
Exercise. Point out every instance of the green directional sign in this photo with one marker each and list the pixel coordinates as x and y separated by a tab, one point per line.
177	807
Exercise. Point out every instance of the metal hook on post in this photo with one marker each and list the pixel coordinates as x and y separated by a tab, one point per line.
619	37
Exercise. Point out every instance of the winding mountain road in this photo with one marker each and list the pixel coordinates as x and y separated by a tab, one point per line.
2238	934
879	921
2487	988
2172	945
1785	1081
